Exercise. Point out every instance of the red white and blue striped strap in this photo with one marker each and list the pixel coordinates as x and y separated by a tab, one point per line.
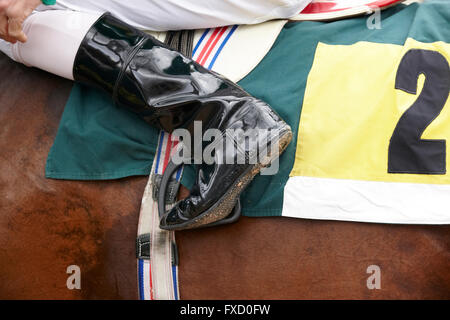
158	273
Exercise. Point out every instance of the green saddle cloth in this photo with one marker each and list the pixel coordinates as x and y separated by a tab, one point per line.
98	141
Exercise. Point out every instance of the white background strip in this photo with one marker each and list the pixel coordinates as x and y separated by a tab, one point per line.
366	201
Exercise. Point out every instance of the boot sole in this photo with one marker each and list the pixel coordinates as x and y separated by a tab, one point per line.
226	204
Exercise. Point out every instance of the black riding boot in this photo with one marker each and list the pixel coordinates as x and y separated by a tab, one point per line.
171	91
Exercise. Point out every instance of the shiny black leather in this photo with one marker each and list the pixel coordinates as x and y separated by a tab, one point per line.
171	91
147	77
216	180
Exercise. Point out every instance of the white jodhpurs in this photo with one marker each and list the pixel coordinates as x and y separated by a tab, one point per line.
164	15
54	37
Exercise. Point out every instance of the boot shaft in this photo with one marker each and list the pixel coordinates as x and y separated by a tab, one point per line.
142	74
104	51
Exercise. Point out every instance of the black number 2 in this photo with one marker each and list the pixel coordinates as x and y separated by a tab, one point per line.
408	153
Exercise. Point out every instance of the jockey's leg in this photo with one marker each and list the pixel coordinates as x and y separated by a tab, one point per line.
169	91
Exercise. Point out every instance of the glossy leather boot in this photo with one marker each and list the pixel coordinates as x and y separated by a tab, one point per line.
171	91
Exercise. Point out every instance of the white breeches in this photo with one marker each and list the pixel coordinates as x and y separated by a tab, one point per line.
53	40
55	32
163	15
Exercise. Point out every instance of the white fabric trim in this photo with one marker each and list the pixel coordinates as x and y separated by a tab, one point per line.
247	48
366	201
